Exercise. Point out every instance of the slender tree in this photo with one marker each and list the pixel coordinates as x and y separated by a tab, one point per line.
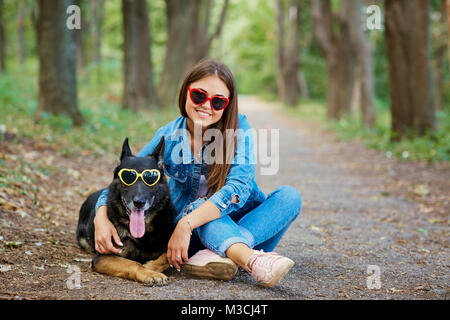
407	43
2	40
364	83
333	33
200	35
138	89
288	55
21	14
439	49
448	29
57	62
97	7
188	41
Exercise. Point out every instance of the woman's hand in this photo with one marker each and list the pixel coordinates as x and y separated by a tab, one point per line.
104	232
177	248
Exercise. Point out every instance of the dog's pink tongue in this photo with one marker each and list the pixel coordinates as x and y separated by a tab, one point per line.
137	223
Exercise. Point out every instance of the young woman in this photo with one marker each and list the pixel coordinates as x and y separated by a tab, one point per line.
223	217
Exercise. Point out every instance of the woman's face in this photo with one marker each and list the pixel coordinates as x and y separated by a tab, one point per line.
204	114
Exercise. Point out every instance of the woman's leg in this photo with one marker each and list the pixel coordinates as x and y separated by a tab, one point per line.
262	227
268	222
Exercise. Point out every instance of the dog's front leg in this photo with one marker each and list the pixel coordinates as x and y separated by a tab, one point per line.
125	268
159	265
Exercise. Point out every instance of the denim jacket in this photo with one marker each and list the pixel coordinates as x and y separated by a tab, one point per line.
184	171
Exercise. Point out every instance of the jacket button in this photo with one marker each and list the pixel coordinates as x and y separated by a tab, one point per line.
224	205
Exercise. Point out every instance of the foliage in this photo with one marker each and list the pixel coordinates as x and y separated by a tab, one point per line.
432	147
247	45
107	123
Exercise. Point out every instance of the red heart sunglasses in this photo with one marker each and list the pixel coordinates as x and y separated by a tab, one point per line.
199	97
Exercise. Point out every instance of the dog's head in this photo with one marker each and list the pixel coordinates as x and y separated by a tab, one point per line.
141	186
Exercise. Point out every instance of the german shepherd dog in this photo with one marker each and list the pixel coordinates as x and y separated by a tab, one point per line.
140	208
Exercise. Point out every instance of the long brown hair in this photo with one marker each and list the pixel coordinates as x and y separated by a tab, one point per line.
217	172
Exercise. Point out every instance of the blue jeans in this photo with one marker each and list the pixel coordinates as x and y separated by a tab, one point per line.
260	228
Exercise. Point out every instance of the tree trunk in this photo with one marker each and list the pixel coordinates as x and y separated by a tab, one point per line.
337	47
438	77
364	82
97	8
188	42
2	40
57	62
288	56
407	41
21	31
448	30
138	89
200	39
439	38
178	26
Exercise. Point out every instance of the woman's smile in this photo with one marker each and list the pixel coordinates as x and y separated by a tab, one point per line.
203	114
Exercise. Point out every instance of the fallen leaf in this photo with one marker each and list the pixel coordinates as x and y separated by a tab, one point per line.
12	244
393	290
435	220
8	205
22	213
74	173
422	288
424	231
82	259
4	268
421	190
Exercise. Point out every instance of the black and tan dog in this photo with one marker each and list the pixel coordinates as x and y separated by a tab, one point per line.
140	208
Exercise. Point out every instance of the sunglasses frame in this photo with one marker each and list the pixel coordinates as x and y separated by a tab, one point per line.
139	175
207	98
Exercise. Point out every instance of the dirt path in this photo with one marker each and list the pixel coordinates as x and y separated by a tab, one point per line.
363	215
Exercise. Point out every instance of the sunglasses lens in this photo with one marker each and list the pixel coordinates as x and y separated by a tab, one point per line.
128	176
150	177
219	103
198	97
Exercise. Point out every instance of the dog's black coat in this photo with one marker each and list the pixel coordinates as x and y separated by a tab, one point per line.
159	218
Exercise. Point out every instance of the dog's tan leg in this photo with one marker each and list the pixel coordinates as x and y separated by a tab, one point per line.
128	269
159	265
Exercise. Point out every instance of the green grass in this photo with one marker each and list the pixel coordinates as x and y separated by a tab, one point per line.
433	147
107	122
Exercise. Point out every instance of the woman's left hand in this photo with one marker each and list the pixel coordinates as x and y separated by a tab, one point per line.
177	248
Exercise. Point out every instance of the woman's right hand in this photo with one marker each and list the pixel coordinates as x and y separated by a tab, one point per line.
105	232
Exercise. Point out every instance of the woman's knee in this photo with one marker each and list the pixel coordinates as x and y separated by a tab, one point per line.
290	195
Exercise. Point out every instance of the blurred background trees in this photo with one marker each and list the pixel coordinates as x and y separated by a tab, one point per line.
323	53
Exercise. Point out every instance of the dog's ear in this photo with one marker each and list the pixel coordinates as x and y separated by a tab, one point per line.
126	151
158	153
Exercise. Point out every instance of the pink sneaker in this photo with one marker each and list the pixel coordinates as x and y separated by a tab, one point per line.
209	265
268	267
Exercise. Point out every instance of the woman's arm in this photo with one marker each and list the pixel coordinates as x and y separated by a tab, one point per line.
242	171
177	249
105	232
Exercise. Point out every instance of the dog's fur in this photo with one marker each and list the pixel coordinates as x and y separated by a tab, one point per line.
159	222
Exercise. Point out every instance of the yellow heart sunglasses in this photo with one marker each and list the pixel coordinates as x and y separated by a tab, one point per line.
130	176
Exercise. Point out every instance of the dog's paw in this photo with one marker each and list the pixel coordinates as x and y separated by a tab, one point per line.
152	278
